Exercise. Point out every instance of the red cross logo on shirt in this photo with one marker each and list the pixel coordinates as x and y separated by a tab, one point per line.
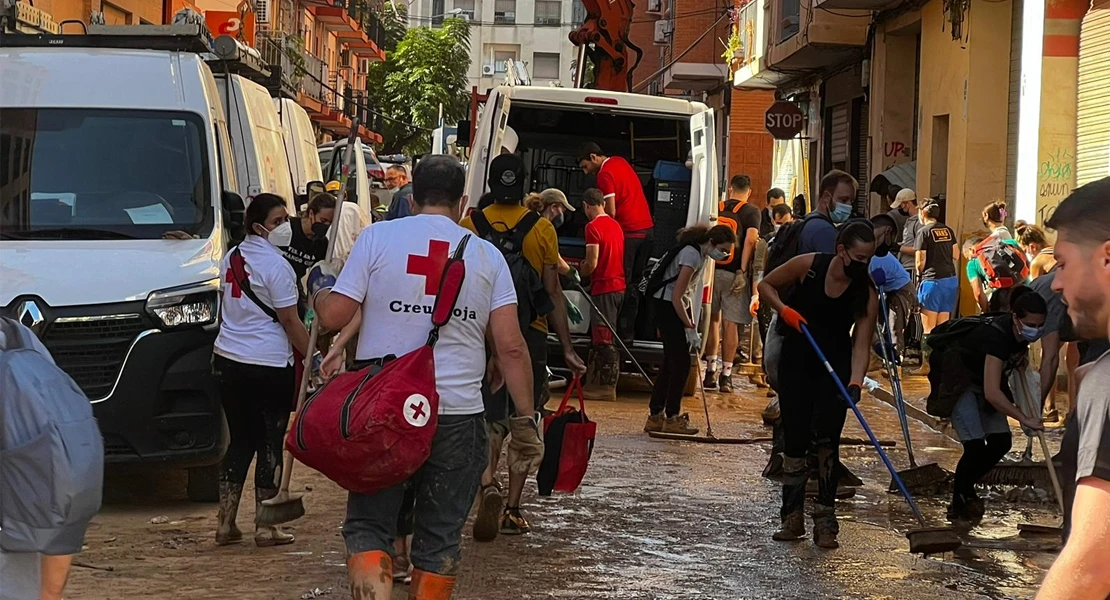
430	266
236	263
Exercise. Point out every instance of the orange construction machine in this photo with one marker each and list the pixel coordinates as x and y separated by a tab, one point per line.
603	37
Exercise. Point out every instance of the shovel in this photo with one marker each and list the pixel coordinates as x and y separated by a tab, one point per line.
286	507
924	540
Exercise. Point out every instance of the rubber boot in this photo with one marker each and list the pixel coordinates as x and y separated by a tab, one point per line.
268	535
793	501
602	374
825	526
923	370
430	586
371	575
226	530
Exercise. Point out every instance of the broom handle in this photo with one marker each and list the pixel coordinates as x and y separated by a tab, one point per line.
895	382
314	331
1027	402
704	402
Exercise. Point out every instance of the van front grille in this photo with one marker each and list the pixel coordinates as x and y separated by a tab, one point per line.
92	349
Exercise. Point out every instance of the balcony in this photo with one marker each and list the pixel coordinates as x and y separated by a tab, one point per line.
354	24
858	4
806	38
749	65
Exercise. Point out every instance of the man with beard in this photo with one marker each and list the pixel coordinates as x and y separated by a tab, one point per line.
1082	571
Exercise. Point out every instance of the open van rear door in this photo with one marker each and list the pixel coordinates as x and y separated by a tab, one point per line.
486	144
703	191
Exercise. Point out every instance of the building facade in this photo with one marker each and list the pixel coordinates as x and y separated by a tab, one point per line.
534	32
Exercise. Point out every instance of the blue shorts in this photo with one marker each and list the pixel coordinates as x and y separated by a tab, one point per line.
939	295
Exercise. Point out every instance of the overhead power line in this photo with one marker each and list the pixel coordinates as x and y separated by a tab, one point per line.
646	82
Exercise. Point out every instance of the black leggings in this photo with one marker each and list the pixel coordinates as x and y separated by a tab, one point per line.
667	394
980	456
257	401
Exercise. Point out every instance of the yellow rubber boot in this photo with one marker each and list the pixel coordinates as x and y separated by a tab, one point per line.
371	575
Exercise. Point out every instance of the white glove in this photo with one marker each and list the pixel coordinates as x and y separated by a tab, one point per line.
693	340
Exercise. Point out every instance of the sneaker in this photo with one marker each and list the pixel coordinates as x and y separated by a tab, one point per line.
514	523
679	424
402	570
489	508
654	423
710	381
772	412
725	384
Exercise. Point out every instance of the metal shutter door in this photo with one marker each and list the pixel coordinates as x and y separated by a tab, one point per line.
1014	103
861	174
1093	155
840	133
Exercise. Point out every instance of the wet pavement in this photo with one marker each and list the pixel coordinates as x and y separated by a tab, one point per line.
654	519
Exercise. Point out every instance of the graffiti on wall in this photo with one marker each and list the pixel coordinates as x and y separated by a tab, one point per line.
894	149
1057	171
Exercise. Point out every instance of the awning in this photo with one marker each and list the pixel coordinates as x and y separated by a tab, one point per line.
904	175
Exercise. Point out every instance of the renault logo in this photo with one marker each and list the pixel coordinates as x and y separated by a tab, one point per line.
30	316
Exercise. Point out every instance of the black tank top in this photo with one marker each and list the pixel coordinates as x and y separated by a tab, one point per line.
829	319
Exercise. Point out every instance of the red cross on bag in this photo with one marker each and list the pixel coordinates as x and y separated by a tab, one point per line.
371	429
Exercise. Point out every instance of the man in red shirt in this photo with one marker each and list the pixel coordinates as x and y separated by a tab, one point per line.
625	202
604	265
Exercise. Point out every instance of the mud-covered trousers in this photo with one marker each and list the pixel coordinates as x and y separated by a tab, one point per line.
257	401
444	490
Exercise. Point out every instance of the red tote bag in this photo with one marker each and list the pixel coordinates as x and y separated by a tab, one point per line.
569	443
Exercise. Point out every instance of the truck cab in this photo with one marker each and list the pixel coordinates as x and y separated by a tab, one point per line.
655	134
115	207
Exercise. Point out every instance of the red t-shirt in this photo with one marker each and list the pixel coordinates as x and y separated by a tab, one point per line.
609	274
617	178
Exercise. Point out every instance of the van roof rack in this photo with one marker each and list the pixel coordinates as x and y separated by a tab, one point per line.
230	56
170	38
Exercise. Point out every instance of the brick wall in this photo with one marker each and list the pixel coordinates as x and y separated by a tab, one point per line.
751	148
691	19
642	34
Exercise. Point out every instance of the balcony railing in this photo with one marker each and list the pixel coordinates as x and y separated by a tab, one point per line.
361	13
316	72
749	29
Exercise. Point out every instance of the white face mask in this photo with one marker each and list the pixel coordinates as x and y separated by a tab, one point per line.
281	236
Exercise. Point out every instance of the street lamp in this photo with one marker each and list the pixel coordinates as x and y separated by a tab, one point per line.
437	19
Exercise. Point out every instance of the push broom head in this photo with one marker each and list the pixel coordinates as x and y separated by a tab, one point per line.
280	509
925	479
933	540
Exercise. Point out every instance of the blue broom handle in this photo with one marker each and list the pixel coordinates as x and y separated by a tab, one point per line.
895	381
863	422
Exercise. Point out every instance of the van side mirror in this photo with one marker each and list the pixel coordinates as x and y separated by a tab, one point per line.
314	187
234	209
462	134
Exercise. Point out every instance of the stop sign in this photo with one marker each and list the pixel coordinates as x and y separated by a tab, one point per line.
784	120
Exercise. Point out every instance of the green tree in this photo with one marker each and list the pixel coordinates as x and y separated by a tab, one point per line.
424	68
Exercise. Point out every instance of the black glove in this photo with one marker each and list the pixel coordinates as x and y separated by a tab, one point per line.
854	392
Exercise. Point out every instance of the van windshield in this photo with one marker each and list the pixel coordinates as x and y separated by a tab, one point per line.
88	174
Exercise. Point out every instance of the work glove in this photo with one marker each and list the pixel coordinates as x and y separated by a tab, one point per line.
321	276
753	308
854	392
792	318
575	276
525	445
693	340
573	313
739	284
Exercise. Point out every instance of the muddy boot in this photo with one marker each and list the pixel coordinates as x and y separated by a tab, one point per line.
825	526
792	513
489	511
226	530
599	392
654	423
709	383
679	424
724	384
371	575
430	586
268	535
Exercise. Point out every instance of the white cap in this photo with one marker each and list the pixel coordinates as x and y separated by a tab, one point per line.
904	195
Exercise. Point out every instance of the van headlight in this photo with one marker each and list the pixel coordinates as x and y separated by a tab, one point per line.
190	305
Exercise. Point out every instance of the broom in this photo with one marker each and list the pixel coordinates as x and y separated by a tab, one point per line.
1026	472
286	507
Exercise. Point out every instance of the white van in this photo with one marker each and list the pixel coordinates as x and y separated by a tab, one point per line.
300	146
655	134
114	212
256	138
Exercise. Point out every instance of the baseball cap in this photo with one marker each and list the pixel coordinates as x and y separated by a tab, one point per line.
904	195
332	186
506	177
555	196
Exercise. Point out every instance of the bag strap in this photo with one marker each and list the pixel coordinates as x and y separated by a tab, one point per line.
575	384
235	267
523	227
450	285
481	224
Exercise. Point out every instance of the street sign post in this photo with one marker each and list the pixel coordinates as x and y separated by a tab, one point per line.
784	120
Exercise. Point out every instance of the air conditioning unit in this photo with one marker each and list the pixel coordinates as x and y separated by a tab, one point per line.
487	70
655	6
663	30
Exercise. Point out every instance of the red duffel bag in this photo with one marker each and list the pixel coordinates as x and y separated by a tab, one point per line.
371	429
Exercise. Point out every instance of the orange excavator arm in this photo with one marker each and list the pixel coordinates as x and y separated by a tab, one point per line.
604	34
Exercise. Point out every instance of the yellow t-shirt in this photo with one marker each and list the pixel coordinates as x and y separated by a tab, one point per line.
541	245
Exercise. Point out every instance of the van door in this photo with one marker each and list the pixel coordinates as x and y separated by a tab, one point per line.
703	195
487	144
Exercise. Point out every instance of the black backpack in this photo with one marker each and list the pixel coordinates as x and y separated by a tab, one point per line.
533	301
948	374
652	280
788	242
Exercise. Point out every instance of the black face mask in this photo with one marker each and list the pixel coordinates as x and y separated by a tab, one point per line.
320	230
882	250
855	269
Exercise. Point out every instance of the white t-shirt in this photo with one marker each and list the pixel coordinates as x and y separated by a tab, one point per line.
247	335
394	272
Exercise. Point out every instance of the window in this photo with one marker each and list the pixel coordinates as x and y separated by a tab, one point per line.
548	12
504	11
103	174
577	13
467	8
499	58
438	8
790	19
545	65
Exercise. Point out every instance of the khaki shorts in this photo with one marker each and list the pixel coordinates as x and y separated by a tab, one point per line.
733	308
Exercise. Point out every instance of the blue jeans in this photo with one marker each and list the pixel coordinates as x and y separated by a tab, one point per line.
444	490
